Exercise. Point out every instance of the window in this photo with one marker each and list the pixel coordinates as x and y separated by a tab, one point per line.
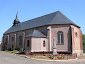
6	41
44	43
60	37
76	34
12	39
20	40
27	43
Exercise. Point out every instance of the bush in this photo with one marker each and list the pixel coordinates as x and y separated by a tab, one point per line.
18	49
83	42
51	57
60	57
10	49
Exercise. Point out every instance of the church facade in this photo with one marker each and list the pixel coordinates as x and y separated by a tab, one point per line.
36	35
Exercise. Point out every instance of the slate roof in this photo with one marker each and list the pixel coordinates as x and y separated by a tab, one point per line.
49	19
36	33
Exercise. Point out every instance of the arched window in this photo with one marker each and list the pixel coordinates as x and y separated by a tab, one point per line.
44	43
20	40
6	41
12	39
60	37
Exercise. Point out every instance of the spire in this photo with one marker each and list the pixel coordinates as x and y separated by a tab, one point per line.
17	15
16	21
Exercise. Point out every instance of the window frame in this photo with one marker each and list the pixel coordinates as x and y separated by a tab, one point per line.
60	35
20	41
6	41
12	39
44	43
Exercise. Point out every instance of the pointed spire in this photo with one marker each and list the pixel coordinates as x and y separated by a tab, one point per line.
17	15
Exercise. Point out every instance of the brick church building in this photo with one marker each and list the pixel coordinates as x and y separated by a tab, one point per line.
36	35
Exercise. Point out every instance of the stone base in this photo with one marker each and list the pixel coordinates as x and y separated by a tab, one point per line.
79	52
54	51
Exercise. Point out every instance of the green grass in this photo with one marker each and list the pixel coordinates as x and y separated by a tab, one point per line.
14	51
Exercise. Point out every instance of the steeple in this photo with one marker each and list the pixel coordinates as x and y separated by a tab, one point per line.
16	21
17	15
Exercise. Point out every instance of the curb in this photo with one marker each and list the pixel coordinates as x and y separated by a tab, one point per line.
52	60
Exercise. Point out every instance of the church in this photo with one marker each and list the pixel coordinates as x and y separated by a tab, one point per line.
36	35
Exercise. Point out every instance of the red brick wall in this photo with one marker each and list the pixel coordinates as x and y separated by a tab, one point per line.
67	37
81	41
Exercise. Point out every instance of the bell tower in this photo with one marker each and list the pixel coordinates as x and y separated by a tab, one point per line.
16	21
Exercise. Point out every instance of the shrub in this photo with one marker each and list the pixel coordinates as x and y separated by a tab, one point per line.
10	49
83	36
18	49
51	57
60	57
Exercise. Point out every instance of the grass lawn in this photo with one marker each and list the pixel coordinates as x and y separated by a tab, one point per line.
14	51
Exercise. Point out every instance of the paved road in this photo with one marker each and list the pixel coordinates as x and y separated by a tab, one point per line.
7	58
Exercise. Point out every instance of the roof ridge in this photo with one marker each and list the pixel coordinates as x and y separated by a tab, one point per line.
40	16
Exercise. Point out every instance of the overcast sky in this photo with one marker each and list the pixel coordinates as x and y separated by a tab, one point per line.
29	9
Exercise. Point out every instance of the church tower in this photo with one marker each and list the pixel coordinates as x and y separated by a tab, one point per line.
16	21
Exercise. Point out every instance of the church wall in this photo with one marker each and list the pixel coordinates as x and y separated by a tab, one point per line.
37	44
77	41
54	29
20	33
30	42
10	40
4	42
66	34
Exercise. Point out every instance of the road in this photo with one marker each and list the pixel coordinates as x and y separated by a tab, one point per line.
7	58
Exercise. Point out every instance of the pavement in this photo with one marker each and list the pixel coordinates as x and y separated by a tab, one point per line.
7	58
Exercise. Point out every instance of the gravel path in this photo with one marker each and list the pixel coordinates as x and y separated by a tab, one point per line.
7	58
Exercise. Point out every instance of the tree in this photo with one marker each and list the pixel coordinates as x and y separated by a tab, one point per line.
83	36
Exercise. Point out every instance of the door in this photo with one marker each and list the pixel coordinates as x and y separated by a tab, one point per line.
29	45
